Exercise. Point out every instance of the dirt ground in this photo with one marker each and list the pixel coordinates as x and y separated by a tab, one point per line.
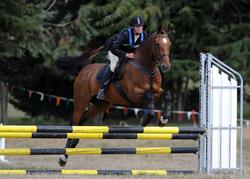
169	162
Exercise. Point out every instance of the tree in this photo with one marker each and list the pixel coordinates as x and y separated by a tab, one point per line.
31	38
34	34
22	29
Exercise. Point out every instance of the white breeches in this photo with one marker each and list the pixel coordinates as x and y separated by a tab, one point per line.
113	60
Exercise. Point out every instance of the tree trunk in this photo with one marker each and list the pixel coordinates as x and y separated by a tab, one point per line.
179	96
185	93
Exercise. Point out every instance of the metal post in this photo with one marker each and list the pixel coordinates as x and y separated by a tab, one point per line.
202	116
3	102
241	125
209	129
3	114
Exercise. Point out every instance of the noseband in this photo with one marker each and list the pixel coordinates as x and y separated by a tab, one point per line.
159	59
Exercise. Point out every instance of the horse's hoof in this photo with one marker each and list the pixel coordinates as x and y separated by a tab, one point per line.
62	161
162	122
145	121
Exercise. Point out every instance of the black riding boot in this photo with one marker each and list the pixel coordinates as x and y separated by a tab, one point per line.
105	83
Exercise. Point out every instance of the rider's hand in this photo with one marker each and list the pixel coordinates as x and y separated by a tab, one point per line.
130	55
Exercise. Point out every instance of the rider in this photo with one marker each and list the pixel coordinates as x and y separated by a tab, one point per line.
123	46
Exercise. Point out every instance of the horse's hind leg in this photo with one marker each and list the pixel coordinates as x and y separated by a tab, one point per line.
92	112
79	111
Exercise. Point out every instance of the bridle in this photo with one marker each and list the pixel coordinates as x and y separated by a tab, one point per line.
158	58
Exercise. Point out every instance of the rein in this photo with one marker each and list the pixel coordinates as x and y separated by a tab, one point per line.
143	68
147	72
158	59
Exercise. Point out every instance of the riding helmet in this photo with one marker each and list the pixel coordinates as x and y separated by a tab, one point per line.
136	21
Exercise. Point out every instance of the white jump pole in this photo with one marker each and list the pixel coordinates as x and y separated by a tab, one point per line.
2	146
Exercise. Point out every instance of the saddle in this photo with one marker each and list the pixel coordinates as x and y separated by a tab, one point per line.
117	75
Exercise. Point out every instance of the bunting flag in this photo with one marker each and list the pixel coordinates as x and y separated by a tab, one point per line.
42	96
180	116
136	110
30	93
125	110
67	103
145	112
50	99
58	100
191	115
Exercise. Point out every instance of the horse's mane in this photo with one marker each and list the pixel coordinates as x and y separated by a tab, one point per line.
149	38
146	41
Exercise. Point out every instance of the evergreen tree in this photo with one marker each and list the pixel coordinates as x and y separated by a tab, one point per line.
34	33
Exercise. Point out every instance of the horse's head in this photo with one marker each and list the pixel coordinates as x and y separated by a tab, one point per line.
161	49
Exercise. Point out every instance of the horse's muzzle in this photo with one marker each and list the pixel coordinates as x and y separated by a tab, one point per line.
164	68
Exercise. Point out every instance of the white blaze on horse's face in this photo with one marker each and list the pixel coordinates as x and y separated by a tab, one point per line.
162	51
164	40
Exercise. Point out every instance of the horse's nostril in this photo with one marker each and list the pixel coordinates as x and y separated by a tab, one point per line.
164	68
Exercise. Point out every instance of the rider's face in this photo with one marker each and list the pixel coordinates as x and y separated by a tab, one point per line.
138	29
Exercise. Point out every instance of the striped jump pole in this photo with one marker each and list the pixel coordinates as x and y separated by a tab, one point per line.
101	129
90	151
140	136
97	172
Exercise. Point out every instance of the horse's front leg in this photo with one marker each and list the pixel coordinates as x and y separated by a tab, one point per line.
149	113
166	110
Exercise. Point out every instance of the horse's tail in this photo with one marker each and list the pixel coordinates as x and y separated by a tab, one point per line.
73	65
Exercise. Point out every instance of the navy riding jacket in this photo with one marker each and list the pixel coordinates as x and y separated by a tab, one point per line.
124	43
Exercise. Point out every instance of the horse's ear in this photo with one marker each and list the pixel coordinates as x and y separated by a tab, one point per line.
159	29
168	29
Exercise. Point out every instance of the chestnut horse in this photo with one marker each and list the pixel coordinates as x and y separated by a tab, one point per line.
141	82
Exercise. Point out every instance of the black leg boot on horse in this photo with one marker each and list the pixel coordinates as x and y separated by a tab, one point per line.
71	143
105	83
166	110
149	113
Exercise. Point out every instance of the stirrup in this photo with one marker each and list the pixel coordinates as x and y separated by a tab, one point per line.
101	94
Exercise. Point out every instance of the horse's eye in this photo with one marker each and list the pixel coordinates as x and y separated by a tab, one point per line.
158	45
